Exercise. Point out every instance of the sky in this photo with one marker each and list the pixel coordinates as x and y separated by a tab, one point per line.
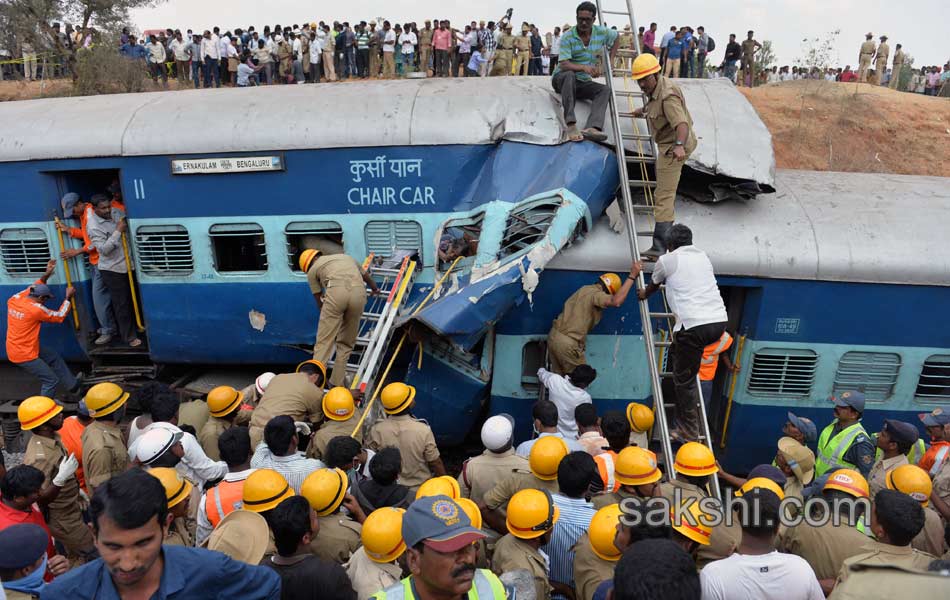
785	22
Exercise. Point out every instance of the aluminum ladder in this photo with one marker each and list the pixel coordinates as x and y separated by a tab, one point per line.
639	222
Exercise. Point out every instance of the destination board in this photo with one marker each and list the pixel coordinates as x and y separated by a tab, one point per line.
227	164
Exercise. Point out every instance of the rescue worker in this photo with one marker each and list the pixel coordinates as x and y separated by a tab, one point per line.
263	490
543	462
749	48
802	430
616	430
25	316
638	475
640	417
672	128
60	494
827	545
254	392
567	340
242	535
893	442
157	448
914	481
444	485
104	454
224	403
531	517
341	414
625	41
935	423
480	473
896	519
844	444
713	354
298	395
339	535
504	53
378	563
868	50
522	51
694	463
177	493
883	582
896	70
595	554
413	437
797	462
338	285
234	448
70	435
880	59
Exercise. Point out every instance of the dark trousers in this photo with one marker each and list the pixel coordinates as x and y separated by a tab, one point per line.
571	90
701	56
686	354
464	57
51	370
362	62
553	63
121	294
441	64
211	70
534	66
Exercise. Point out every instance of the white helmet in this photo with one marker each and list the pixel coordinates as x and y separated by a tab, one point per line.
263	381
497	432
153	443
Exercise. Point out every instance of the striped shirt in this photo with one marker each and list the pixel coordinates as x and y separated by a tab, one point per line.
576	515
294	467
573	49
487	39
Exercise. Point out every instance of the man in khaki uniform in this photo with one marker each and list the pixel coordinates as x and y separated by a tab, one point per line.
104	454
625	40
589	569
60	491
867	582
338	285
224	403
749	48
341	414
522	52
880	60
528	529
298	395
567	340
425	46
724	538
194	412
864	57
375	51
673	132
896	70
481	473
503	54
895	440
338	536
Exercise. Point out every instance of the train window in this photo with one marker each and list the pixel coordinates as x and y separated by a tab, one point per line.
459	239
164	250
532	359
25	251
783	372
238	247
934	382
527	226
873	373
383	238
326	236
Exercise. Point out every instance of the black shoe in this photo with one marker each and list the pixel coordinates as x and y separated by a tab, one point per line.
78	387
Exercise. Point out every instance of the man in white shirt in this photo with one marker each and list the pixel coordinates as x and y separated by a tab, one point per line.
694	299
389	49
567	392
757	571
211	55
156	61
555	48
408	41
179	49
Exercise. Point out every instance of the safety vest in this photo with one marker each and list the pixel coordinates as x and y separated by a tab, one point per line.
914	455
710	360
938	460
606	465
223	499
831	450
485	586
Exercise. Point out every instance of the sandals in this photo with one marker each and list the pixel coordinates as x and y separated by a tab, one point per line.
594	135
574	135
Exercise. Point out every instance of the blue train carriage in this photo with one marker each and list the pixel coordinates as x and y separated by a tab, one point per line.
837	281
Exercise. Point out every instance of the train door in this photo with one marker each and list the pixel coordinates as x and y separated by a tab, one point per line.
716	406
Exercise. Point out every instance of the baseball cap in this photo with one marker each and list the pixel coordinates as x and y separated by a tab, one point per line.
935	418
21	545
799	458
900	431
40	290
806	426
440	523
850	398
769	472
69	201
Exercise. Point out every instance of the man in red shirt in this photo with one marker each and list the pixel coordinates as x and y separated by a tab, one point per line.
25	315
19	491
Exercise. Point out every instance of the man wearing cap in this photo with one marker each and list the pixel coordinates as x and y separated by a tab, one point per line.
541	474
844	444
440	554
480	473
379	562
341	414
797	462
25	315
425	46
253	393
501	65
242	535
104	454
880	60
24	562
802	430
893	442
532	516
20	489
298	395
864	57
60	496
935	423
224	404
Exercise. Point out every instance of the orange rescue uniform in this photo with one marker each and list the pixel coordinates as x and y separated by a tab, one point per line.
71	437
707	367
940	448
24	317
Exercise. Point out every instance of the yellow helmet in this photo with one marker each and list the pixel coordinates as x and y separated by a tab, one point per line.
324	490
338	404
440	486
322	367
264	489
223	400
602	530
396	397
176	488
911	480
636	466
640	417
695	459
848	481
104	399
531	513
471	509
700	532
645	64
611	281
306	259
36	410
761	482
545	456
382	534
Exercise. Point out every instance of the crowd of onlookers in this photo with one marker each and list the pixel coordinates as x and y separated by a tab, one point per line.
927	80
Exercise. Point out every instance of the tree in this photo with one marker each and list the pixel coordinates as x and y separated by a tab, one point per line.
764	58
817	52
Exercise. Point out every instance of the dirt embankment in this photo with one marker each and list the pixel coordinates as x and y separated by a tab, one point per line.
826	126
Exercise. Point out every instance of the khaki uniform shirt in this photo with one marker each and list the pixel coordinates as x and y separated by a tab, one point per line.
930	539
582	312
519	479
250	396
481	473
368	576
15	595
724	538
506	41
45	454
209	434
337	270
338	538
748	49
898	58
288	394
415	442
665	111
883	51
877	478
523	43
612	498
104	454
331	429
825	548
512	553
425	39
194	413
886	554
891	581
178	534
589	569
867	49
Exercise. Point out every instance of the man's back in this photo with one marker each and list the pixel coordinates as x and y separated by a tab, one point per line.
826	547
760	577
691	287
576	515
287	394
481	473
416	445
